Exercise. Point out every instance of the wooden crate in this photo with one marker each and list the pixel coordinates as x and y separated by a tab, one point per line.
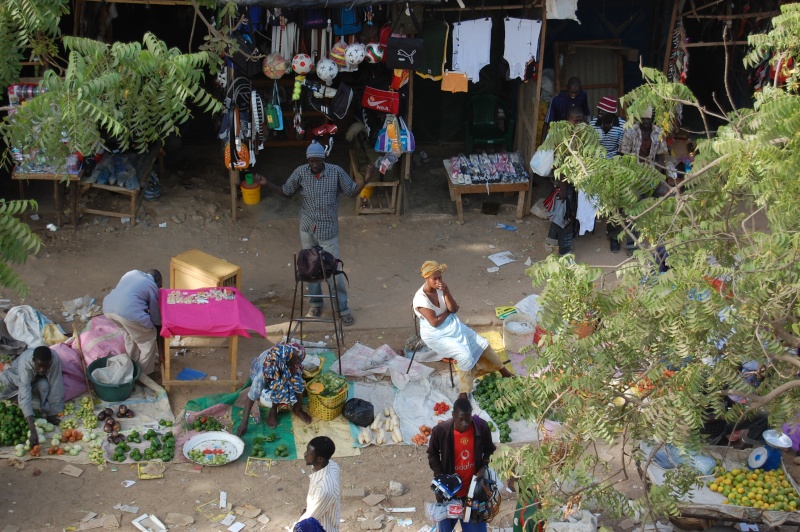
195	269
382	199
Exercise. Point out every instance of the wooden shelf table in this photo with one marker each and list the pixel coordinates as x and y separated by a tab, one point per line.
456	191
72	181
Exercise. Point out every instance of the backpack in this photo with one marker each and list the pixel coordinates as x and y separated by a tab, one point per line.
315	264
346	20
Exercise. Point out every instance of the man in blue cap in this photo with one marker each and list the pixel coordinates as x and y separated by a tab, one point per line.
320	183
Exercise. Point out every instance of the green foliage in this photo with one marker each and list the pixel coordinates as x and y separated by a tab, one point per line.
132	93
669	347
781	40
17	242
22	24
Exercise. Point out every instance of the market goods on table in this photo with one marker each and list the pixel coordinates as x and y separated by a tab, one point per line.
213	448
486	394
768	490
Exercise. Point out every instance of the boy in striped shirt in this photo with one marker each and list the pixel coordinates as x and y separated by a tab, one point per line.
324	501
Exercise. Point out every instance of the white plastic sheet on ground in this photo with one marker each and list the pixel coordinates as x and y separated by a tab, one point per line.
363	361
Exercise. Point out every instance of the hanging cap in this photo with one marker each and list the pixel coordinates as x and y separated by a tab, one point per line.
315	150
608	104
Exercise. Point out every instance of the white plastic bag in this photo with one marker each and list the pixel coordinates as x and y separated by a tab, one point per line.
542	162
118	370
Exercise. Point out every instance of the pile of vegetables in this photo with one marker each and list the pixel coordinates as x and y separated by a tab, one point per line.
486	394
164	423
204	423
386	426
165	450
85	412
209	456
441	408
259	451
282	451
422	437
12	424
97	456
332	385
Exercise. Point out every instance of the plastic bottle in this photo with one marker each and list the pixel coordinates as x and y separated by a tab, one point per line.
248	178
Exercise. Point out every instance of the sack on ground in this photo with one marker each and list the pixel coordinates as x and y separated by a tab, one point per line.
359	412
539	210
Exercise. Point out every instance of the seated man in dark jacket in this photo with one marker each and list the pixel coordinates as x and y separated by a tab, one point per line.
461	446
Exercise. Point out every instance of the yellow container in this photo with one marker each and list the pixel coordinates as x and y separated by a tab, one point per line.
251	194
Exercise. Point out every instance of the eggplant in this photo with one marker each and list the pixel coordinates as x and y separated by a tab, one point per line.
117	426
102	416
114	433
109	412
108	428
110	439
109	421
129	413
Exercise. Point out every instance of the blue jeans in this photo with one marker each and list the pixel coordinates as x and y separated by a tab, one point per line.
447	525
307	240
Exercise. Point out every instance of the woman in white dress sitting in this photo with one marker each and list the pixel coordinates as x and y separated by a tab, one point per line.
442	331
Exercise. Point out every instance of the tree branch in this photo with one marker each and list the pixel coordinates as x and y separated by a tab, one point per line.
756	400
782	333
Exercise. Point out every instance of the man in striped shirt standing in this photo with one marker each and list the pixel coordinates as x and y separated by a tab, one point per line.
610	127
323	502
320	184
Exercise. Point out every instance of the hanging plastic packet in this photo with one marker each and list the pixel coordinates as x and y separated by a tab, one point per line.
385	162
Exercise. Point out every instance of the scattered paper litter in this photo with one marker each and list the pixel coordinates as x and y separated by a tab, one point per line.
179	519
493	269
128	483
126	508
247	510
501	258
71	470
236	527
229	519
89	516
528	262
162	224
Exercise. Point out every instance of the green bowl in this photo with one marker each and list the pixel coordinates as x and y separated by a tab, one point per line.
112	393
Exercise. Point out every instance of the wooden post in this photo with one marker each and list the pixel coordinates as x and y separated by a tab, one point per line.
406	171
537	97
233	175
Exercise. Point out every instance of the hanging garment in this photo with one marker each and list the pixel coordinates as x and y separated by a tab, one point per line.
434	34
587	211
562	10
472	41
521	44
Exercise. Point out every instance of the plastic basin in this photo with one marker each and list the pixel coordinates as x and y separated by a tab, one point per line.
112	393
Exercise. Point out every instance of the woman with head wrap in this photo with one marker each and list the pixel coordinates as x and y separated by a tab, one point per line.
442	331
277	381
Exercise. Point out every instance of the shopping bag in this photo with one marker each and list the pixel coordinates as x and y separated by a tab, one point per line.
542	162
404	52
406	137
273	111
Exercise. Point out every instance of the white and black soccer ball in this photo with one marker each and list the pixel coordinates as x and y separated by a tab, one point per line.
355	53
327	70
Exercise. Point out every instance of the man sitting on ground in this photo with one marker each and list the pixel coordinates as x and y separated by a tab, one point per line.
36	372
133	305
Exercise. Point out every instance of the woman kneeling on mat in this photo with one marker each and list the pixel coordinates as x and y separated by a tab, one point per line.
277	376
442	331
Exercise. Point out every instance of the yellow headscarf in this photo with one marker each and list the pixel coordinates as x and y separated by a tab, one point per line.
429	267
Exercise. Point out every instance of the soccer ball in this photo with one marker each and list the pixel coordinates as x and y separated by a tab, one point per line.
274	66
327	70
302	64
374	53
355	53
337	53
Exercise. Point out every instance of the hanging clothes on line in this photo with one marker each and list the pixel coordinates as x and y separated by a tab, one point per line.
472	41
521	44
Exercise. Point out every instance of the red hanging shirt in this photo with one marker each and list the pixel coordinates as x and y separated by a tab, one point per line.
464	461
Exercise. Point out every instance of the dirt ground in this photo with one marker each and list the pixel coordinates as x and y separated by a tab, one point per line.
382	255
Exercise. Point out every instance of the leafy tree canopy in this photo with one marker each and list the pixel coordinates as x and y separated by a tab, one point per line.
669	347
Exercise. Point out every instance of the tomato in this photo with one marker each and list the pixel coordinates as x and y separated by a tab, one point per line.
208	451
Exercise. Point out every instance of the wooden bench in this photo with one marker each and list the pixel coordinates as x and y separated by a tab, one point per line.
384	194
143	163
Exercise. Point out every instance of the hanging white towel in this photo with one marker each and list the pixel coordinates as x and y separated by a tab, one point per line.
521	44
472	41
562	9
587	211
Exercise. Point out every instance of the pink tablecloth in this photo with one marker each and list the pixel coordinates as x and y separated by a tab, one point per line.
215	318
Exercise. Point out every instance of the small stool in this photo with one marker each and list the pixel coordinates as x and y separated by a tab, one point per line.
450	361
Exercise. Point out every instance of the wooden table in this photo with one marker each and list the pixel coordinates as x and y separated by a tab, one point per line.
56	179
456	191
213	324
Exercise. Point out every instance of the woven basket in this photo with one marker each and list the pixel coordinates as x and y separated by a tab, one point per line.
308	375
326	408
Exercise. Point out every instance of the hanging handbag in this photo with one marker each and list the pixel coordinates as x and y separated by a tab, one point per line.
237	158
405	18
406	137
455	81
381	100
405	52
274	114
246	58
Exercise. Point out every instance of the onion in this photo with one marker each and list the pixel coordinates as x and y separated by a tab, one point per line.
109	411
117	426
114	433
101	416
129	413
109	421
107	428
121	411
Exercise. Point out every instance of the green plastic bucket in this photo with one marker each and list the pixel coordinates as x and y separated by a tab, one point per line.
112	393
